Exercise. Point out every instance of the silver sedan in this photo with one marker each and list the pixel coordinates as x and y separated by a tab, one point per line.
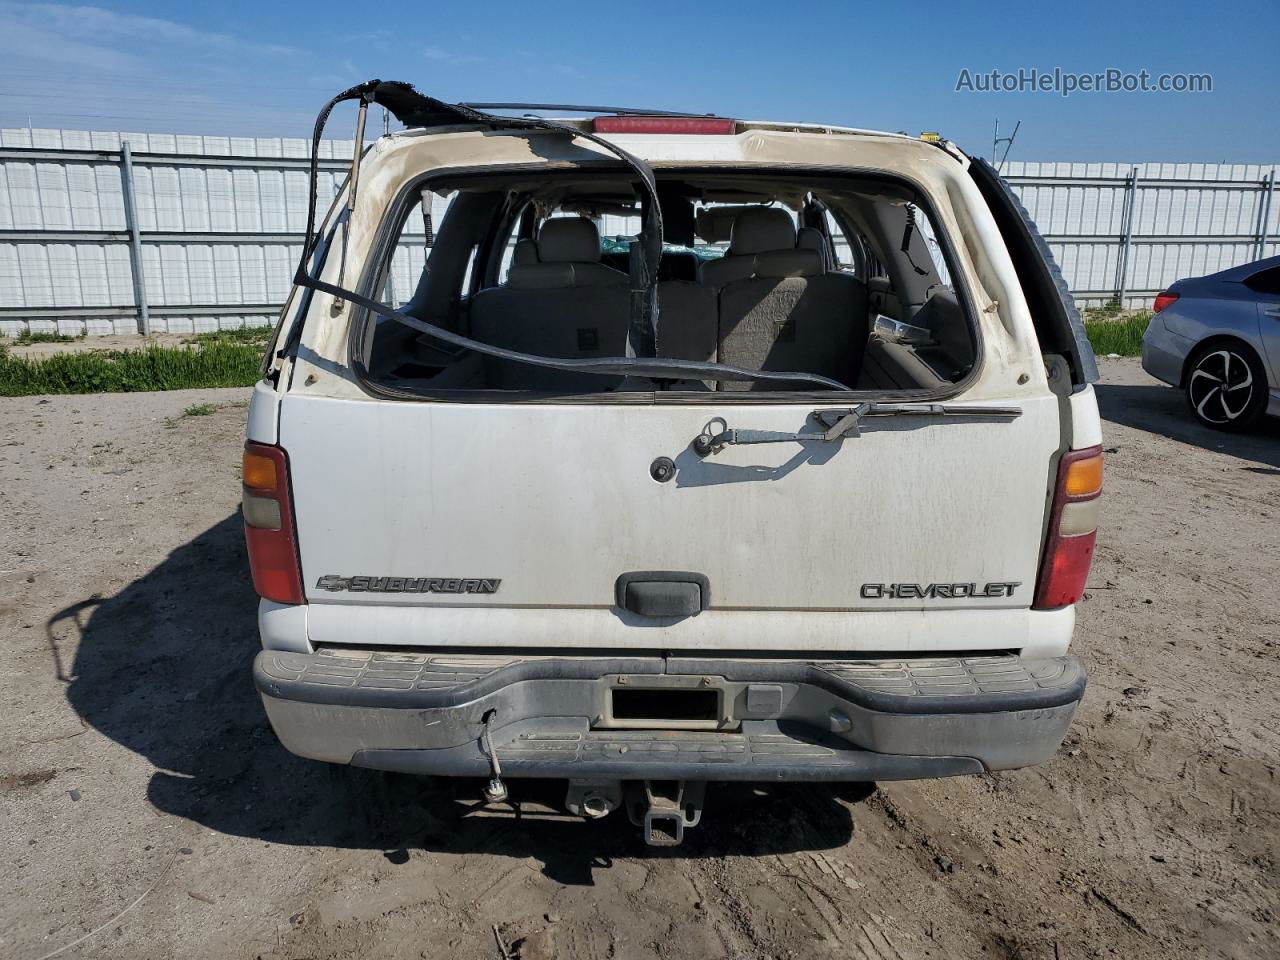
1218	338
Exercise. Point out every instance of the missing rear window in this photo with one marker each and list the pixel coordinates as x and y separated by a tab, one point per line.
775	278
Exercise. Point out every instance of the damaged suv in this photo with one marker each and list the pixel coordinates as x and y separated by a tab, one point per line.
643	450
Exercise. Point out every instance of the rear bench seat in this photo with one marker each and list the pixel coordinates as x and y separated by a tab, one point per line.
777	308
561	301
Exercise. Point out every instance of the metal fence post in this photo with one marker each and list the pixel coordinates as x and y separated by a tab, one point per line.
1264	222
1131	197
135	239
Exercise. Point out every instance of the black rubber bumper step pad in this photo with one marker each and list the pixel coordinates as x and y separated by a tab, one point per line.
971	684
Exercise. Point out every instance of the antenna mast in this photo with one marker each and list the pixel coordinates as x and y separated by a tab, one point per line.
1008	145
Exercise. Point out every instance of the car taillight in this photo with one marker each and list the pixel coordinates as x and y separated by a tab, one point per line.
1163	300
268	524
635	124
1073	529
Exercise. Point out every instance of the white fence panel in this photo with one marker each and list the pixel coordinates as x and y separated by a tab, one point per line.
1187	219
221	220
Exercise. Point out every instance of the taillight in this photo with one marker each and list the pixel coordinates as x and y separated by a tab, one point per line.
268	524
1073	529
1163	300
634	124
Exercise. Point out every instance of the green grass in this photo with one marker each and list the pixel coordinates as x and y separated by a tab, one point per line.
1110	310
45	336
257	336
195	410
216	364
1111	334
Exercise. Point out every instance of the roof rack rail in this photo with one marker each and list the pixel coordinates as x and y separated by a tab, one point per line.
575	108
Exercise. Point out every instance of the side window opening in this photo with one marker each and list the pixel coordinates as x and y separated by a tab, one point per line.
467	278
413	248
769	276
925	226
917	327
508	254
1265	281
848	252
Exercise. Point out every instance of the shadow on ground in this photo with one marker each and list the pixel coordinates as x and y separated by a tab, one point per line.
164	668
1161	409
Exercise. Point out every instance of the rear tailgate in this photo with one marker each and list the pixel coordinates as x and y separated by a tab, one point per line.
429	523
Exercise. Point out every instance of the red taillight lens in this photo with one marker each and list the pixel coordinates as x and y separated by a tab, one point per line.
1163	300
268	524
1073	529
696	125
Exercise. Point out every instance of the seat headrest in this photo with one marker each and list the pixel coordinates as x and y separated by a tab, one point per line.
756	231
797	262
526	252
810	238
715	224
569	240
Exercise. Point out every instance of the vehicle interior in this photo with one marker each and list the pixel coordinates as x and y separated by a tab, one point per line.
843	278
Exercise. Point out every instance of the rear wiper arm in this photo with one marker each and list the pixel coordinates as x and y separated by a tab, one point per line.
840	423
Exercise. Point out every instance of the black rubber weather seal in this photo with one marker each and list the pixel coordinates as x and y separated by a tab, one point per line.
416	109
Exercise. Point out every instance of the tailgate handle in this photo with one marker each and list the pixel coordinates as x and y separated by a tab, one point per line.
663	593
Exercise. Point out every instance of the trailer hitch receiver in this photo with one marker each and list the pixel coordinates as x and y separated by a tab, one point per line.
663	808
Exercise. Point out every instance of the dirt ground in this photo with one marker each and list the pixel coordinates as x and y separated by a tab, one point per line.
96	343
136	761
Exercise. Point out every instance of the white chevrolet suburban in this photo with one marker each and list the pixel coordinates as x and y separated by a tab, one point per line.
703	450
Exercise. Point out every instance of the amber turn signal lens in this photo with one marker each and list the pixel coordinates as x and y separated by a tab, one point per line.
1084	477
259	472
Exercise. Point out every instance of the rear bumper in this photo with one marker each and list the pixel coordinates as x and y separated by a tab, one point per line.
1164	352
773	720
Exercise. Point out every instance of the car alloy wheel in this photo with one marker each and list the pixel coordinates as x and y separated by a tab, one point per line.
1221	388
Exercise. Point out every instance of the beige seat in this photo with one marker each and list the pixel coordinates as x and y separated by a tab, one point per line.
755	230
789	313
715	224
566	254
687	323
558	301
946	358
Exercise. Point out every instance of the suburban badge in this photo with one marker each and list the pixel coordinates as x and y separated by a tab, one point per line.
336	584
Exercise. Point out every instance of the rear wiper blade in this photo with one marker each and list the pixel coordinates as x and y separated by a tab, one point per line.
840	423
657	367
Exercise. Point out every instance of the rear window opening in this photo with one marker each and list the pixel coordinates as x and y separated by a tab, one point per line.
848	279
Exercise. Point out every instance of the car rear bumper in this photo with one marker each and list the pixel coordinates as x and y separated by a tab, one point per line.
1164	352
755	719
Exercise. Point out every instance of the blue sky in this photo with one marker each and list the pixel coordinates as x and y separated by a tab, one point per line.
263	68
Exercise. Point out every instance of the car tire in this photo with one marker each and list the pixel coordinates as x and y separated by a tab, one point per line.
1226	386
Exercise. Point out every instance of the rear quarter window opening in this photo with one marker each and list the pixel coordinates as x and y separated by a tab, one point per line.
843	277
